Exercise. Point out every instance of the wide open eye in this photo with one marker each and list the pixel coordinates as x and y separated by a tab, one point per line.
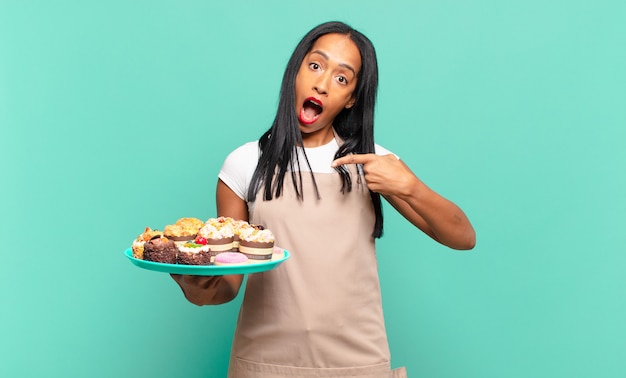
342	80
314	66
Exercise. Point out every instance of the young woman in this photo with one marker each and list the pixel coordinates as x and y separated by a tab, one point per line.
316	178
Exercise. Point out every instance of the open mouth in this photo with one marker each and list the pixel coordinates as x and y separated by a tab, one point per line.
311	110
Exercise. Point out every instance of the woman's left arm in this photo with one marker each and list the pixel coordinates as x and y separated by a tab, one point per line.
435	215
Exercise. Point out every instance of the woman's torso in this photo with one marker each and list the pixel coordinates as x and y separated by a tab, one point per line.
320	312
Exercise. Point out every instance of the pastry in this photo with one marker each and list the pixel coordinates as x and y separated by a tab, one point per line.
230	258
139	242
196	252
239	225
256	243
160	249
218	240
184	230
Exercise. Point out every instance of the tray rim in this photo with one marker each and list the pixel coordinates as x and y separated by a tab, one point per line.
206	270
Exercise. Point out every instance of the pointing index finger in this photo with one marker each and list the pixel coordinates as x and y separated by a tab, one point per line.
352	159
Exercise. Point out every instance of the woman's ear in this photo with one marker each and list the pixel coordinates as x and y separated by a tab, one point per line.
350	103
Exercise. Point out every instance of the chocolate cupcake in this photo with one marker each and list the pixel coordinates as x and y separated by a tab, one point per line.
160	249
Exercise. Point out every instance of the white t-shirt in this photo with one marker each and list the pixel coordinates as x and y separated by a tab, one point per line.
240	164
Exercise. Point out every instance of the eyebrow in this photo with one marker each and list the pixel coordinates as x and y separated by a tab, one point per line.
345	65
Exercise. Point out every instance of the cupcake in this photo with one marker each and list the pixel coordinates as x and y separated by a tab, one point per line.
238	227
139	242
160	249
218	240
191	223
224	225
220	221
184	230
256	243
230	258
196	252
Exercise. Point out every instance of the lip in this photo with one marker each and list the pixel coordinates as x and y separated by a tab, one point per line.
315	101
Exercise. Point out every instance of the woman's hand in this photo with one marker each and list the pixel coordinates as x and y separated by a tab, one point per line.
385	174
209	290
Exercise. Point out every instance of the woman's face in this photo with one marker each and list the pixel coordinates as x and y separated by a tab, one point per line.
324	85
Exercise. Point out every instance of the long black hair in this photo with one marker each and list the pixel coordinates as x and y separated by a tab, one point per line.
354	125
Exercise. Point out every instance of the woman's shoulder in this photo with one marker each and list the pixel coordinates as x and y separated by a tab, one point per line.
249	149
380	150
242	158
239	166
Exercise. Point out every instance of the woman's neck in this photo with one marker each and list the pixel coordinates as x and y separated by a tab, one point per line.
318	138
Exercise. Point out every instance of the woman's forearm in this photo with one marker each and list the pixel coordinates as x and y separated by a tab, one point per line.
437	216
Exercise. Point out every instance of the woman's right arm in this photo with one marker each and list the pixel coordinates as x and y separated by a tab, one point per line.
214	290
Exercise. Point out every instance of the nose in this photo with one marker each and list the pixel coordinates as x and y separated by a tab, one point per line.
321	85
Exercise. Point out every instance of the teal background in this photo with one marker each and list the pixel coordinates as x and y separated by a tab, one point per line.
117	115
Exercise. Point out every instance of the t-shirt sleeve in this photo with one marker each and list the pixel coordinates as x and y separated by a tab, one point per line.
383	151
239	167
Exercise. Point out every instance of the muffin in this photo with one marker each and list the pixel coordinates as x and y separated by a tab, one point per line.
139	242
225	225
160	249
184	230
218	240
239	226
191	223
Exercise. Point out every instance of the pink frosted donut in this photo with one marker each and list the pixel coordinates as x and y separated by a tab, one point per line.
230	258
